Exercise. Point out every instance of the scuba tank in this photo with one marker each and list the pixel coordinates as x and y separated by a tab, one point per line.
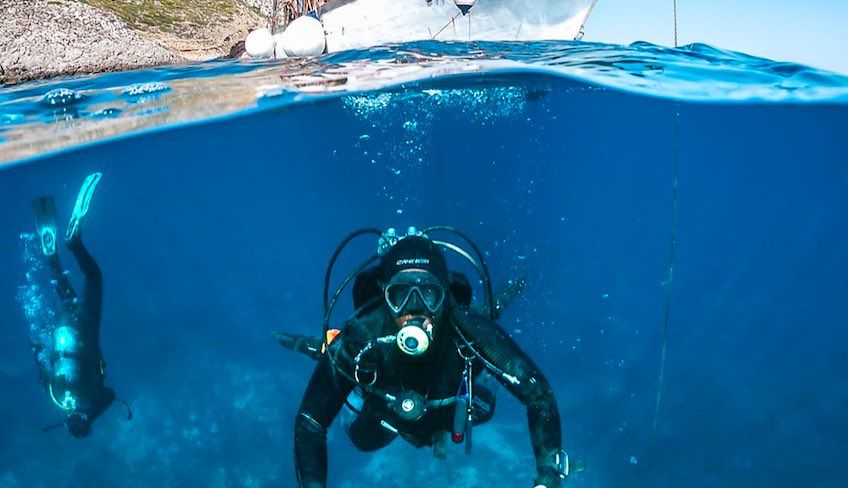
67	368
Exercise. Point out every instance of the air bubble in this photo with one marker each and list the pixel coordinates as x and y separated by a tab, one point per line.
62	97
141	89
107	113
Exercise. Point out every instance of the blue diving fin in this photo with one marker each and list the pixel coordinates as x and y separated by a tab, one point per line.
82	204
45	223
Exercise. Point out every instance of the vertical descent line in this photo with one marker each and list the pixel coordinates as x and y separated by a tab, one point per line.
669	282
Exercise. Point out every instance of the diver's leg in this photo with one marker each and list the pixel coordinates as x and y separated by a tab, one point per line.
45	225
93	294
92	298
367	434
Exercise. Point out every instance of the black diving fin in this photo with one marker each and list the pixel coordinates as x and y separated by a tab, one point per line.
45	223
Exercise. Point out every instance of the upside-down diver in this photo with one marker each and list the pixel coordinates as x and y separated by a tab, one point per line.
73	369
414	354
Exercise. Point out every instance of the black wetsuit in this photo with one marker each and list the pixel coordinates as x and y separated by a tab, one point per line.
82	314
436	375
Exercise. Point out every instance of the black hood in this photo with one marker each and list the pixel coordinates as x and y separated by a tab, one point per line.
414	253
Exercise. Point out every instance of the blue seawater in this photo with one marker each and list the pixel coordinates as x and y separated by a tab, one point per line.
227	186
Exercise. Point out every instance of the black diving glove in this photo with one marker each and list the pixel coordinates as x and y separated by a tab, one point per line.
548	478
554	472
450	301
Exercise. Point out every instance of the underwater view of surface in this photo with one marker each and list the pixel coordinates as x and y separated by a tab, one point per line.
691	197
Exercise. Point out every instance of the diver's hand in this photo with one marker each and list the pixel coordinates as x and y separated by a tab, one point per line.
450	300
548	478
452	305
555	484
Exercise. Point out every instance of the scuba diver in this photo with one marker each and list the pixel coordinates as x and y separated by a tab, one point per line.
71	365
415	359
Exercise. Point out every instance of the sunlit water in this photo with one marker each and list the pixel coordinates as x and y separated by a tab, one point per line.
216	216
46	116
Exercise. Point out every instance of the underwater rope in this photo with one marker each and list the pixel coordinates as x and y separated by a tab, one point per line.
675	177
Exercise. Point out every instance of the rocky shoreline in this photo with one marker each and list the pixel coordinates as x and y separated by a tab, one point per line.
47	38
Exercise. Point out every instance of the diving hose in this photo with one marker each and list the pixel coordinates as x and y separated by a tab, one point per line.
488	341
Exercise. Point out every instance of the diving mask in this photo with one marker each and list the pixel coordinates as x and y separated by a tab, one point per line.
410	289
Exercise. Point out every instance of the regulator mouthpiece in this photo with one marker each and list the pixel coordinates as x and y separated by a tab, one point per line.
415	336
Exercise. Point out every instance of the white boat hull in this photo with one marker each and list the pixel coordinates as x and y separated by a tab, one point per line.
364	23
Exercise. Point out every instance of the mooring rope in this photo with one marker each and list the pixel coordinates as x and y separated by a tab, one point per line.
675	23
451	21
669	282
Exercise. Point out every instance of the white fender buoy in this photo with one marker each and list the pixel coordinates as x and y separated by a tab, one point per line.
304	37
464	5
279	50
260	44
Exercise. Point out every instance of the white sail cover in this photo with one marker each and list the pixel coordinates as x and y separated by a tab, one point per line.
363	23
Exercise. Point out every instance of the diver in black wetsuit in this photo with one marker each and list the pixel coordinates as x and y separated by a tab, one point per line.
72	370
415	357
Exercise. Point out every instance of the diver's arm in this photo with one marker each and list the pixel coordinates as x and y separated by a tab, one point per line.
322	401
43	372
104	401
526	382
61	283
92	299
